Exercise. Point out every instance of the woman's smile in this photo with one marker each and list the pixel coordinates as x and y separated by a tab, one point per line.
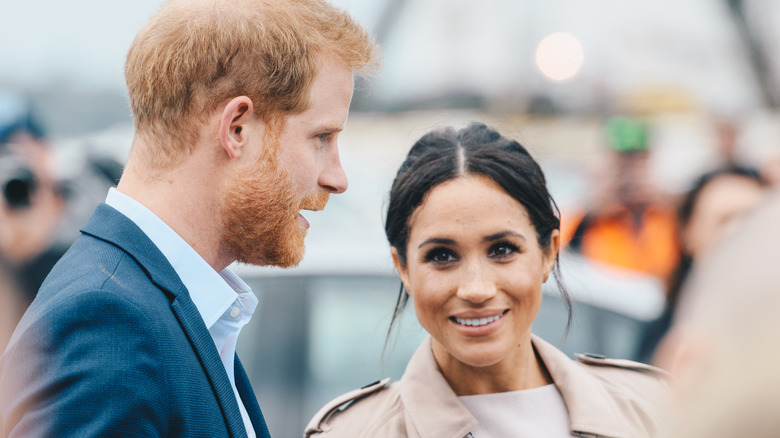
478	321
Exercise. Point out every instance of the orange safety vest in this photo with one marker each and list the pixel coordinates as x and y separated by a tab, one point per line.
647	244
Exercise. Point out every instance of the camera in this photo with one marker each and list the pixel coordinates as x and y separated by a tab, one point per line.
17	181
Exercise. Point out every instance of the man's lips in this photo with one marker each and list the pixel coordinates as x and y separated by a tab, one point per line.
303	221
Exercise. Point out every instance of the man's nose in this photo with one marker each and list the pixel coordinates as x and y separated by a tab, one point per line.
333	178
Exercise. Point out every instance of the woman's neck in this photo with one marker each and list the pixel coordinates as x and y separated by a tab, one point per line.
521	370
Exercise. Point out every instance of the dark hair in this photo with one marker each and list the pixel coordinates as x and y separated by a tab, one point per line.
447	154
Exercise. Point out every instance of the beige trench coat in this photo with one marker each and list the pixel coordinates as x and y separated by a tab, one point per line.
605	398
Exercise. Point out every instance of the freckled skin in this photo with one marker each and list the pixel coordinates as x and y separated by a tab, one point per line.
473	253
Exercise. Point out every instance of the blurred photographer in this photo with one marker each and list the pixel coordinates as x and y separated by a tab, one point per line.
31	210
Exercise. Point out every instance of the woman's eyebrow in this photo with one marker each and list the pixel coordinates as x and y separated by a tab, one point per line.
438	241
501	235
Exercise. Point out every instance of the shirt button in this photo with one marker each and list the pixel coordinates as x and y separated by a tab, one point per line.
234	312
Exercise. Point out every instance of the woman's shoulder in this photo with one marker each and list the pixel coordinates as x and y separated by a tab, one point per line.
636	391
607	397
374	410
624	375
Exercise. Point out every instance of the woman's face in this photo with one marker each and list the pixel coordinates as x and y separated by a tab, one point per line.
719	207
475	271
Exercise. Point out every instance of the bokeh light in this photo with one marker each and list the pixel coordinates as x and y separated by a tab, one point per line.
559	56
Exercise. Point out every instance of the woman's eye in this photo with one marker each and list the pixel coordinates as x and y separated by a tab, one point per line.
440	256
501	250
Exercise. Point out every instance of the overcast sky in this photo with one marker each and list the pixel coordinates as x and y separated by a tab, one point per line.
437	44
80	41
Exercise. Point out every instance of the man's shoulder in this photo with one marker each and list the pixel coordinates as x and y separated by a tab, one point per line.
372	410
92	265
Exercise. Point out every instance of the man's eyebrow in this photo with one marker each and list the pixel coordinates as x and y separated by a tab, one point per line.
501	235
438	241
329	127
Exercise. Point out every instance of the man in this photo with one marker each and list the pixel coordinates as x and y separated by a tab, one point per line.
237	108
629	224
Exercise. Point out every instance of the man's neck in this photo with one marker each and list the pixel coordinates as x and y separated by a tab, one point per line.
186	199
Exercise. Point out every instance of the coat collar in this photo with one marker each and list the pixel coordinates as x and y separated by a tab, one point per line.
592	410
111	226
437	412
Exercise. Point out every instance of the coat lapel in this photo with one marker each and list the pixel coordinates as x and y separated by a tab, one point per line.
591	410
250	401
111	226
436	411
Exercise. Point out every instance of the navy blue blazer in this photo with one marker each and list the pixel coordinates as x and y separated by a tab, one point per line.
114	346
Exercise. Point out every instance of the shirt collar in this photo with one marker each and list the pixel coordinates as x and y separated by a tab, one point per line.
212	292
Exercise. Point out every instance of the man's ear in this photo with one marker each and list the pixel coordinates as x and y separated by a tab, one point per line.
402	271
233	125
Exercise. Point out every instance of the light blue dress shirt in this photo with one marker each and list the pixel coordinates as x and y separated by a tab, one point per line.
224	301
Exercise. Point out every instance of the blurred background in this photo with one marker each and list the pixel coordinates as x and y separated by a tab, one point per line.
626	104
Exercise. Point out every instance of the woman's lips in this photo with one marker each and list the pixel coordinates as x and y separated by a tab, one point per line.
477	322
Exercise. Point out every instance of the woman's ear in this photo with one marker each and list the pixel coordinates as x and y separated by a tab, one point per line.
401	268
233	125
550	254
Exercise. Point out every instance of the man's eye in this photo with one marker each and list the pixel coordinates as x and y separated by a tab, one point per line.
324	138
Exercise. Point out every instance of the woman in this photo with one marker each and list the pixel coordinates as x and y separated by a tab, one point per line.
712	207
474	234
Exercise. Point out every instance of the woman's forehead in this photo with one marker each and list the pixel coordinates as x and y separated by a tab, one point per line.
465	203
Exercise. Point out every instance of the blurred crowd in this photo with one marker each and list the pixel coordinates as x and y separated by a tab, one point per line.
40	210
713	248
630	223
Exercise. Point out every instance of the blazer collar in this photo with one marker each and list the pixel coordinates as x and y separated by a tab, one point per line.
592	410
109	225
115	228
437	412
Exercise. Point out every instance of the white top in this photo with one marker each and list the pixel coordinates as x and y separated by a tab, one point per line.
537	412
223	300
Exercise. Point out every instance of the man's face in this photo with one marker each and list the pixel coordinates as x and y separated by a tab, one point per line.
298	171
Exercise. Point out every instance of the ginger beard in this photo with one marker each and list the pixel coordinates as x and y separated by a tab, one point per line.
260	214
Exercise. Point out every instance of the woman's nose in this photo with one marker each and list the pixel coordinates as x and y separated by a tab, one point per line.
477	287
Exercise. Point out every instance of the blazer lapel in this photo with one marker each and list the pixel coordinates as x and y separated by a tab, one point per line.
250	401
202	343
112	226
